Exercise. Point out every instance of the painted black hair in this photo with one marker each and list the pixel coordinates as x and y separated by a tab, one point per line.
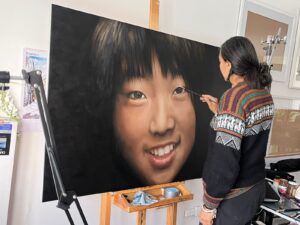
122	52
240	52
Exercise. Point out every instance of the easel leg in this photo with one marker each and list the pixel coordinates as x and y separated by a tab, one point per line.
141	217
171	214
154	15
105	209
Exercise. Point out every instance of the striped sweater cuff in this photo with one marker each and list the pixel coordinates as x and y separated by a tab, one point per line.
211	202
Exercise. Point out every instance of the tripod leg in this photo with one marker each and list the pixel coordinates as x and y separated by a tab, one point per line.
80	211
69	217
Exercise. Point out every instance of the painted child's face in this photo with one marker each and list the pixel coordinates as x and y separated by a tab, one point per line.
155	122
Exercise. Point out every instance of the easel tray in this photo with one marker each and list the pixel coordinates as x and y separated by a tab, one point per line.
124	198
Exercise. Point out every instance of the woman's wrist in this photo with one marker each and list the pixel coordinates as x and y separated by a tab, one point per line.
208	210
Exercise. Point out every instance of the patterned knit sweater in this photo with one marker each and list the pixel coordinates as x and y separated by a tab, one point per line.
237	143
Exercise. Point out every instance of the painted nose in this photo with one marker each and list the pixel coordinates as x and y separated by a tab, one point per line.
162	120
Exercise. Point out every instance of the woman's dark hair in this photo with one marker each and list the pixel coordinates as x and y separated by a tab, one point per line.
240	52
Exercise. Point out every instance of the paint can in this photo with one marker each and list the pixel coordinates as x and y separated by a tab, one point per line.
297	194
291	190
171	192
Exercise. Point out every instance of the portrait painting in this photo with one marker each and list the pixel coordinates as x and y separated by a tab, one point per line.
123	106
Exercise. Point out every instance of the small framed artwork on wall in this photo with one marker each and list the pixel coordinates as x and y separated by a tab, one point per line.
272	33
295	71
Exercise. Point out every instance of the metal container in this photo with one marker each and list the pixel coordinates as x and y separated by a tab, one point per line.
171	192
297	194
291	189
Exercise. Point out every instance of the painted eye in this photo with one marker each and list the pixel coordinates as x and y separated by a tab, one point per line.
136	95
179	90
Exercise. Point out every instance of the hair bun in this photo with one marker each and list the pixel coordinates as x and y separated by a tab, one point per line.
264	75
263	68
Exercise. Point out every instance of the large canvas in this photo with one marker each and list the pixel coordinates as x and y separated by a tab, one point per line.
121	115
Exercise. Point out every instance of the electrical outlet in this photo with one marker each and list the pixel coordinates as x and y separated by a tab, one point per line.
197	210
192	212
189	212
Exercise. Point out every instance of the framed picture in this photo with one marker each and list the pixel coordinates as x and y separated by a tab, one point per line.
272	34
295	72
286	126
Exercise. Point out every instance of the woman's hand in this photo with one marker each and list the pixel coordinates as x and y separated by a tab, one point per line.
211	101
206	218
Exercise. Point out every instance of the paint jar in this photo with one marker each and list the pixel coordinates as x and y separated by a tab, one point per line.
282	187
291	190
297	194
171	192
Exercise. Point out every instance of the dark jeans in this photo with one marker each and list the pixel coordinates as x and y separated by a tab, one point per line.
240	210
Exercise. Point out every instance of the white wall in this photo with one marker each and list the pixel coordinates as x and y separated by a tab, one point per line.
27	24
210	22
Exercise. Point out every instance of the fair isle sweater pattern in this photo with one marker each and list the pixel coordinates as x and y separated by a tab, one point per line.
239	135
242	117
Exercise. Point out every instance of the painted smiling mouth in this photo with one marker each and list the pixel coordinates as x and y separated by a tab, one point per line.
162	156
162	150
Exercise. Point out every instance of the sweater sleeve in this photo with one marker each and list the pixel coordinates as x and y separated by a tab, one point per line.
222	164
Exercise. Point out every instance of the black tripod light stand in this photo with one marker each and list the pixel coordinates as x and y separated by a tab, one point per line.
65	198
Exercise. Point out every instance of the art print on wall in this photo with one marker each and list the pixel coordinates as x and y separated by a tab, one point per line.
33	59
272	33
121	116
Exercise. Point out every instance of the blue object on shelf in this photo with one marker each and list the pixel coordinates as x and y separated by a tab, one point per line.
143	198
171	192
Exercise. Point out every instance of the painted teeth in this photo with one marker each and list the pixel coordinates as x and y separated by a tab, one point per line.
162	151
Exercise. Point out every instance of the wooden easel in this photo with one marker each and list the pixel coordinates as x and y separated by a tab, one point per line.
154	15
156	191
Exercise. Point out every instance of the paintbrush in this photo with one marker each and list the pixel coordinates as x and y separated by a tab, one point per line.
192	92
195	93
